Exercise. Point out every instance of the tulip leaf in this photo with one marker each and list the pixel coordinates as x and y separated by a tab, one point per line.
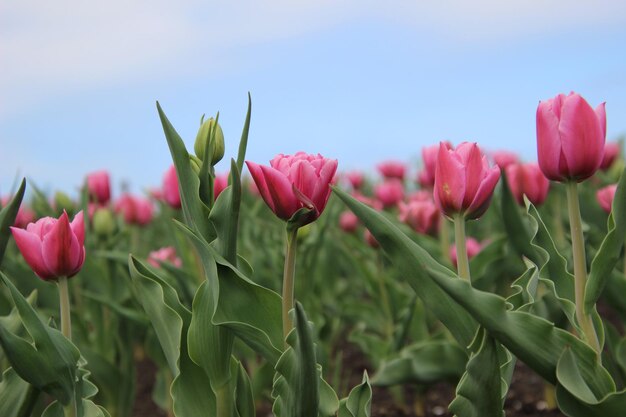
17	397
534	340
613	405
359	400
412	260
195	212
225	217
244	398
299	390
423	363
7	217
87	409
243	143
610	251
479	392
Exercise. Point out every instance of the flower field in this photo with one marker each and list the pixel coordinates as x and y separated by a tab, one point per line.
471	284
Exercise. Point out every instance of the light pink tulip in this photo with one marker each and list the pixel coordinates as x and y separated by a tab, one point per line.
527	179
348	222
390	192
166	254
53	247
473	248
293	182
392	169
464	182
135	210
605	197
504	158
422	216
611	152
171	194
570	137
99	187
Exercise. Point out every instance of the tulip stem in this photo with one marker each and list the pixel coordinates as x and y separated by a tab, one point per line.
288	280
462	261
580	266
66	328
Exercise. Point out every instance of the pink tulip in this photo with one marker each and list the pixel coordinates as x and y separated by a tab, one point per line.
605	197
135	210
420	195
24	214
390	192
464	182
53	247
392	169
356	179
372	202
426	177
611	152
370	239
171	195
348	222
293	182
504	158
527	179
422	216
99	187
167	254
473	249
570	137
220	184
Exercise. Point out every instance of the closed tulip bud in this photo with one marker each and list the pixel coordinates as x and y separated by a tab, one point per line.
195	163
570	137
464	182
167	254
135	210
103	222
473	249
171	194
611	152
355	179
53	247
504	158
528	180
295	182
390	192
348	222
99	187
422	216
605	197
210	133
392	169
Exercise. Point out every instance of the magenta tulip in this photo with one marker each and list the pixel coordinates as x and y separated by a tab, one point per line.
504	158
570	137
464	182
356	179
392	169
99	187
605	197
527	179
422	216
167	254
135	210
348	222
611	152
52	247
171	194
293	182
390	192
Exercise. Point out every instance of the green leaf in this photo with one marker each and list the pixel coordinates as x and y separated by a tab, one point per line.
359	401
7	217
610	251
412	261
243	143
516	228
613	405
17	396
244	399
225	217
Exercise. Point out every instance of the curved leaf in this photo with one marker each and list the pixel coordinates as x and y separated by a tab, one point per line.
359	401
7	217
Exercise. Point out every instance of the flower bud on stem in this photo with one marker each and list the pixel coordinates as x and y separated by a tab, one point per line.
461	247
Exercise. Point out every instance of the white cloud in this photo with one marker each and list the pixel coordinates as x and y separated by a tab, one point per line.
64	46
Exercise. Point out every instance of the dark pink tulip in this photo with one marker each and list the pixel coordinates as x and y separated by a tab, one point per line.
348	222
605	197
390	192
611	152
422	216
570	137
464	182
293	182
426	177
392	169
171	195
527	179
420	195
504	158
135	210
53	247
24	214
167	254
99	187
473	249
220	183
356	179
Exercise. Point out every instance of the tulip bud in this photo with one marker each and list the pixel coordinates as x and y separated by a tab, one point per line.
390	192
348	222
210	133
527	180
606	196
99	187
103	222
195	163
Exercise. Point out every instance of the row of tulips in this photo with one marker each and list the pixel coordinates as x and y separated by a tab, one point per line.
206	308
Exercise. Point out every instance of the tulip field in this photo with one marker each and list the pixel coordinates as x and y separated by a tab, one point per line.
470	284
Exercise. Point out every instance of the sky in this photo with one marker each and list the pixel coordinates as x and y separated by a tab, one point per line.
357	80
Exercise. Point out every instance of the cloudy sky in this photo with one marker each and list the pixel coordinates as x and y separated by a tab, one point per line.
360	81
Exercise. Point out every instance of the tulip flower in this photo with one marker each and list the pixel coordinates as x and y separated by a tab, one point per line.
356	179
422	216
99	187
464	182
611	152
504	158
528	180
166	254
570	137
392	169
390	192
135	210
348	222
171	194
605	197
426	177
52	247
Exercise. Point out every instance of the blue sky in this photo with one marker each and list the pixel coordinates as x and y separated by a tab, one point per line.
360	81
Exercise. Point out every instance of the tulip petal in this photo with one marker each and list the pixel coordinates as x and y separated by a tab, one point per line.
449	181
601	114
548	139
283	199
483	196
29	245
259	180
78	227
58	254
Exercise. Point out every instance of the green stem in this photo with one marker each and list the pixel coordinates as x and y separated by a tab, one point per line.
288	280
580	266
224	401
462	261
384	295
66	328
